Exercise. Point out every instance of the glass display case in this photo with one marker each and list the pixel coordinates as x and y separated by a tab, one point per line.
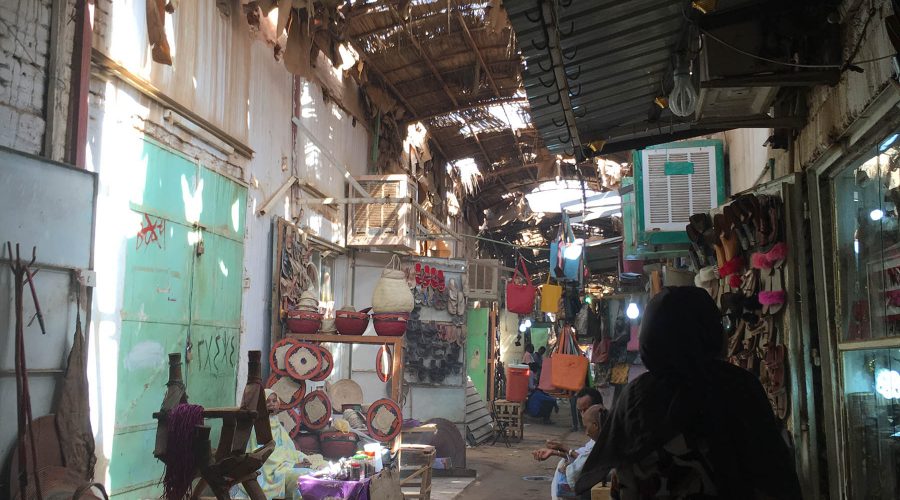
866	246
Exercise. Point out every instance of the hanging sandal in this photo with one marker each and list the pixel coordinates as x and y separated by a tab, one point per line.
750	283
732	220
697	245
727	238
762	222
774	297
779	401
735	340
702	224
749	214
775	211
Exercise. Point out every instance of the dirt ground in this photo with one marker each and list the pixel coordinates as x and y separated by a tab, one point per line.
501	470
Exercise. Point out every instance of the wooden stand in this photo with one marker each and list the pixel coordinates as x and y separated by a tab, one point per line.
510	413
416	461
395	342
229	464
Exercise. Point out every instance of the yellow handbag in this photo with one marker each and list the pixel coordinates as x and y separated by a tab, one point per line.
550	295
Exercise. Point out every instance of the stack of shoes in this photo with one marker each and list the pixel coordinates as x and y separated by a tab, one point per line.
740	255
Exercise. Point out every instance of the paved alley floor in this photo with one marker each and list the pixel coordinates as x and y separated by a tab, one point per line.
501	470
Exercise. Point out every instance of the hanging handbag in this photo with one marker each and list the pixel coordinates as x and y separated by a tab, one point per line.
634	343
562	267
520	297
600	350
550	295
392	294
619	375
546	381
569	364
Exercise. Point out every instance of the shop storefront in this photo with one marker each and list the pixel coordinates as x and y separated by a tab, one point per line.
855	203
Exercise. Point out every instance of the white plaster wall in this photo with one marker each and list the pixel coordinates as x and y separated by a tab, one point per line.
747	156
269	130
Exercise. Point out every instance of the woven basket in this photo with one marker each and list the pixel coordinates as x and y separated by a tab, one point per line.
392	294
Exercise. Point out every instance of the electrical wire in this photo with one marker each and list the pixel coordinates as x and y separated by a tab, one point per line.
794	65
513	245
766	59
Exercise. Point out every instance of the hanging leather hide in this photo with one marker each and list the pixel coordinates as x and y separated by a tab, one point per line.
73	417
156	31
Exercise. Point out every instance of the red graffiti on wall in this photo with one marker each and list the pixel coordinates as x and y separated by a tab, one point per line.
152	232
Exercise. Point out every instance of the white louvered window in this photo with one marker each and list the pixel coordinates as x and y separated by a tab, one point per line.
483	275
677	182
386	226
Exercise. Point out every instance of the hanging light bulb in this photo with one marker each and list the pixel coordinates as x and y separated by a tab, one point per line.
527	323
683	99
632	311
522	328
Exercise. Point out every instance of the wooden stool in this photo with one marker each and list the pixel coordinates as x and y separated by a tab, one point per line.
230	463
508	414
600	492
416	461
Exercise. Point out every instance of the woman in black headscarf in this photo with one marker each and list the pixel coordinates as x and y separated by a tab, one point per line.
694	426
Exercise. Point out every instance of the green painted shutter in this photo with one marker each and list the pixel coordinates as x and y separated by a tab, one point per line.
176	295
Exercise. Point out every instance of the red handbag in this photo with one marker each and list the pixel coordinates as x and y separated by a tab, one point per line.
520	297
600	350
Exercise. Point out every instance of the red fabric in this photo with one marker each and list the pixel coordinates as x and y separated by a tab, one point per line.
778	252
770	298
760	261
735	280
733	266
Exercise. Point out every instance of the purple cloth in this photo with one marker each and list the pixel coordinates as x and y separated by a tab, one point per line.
312	488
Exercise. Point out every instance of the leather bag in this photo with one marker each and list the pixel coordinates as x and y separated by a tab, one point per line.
520	296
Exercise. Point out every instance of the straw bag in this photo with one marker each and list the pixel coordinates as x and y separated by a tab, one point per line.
569	364
550	295
392	294
520	297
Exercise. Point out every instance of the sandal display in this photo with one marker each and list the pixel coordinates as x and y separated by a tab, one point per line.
742	254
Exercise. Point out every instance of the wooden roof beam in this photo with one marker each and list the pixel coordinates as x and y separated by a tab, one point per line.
509	170
438	77
397	95
487	71
476	105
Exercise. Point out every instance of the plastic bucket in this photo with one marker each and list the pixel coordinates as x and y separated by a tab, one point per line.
517	382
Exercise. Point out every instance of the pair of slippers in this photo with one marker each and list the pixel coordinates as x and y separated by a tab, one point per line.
770	265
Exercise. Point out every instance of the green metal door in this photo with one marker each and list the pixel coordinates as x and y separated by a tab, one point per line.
539	336
182	293
477	348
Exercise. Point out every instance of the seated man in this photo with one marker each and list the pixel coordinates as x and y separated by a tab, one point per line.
541	405
569	468
584	399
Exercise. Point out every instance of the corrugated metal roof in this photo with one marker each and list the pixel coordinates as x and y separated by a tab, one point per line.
620	54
